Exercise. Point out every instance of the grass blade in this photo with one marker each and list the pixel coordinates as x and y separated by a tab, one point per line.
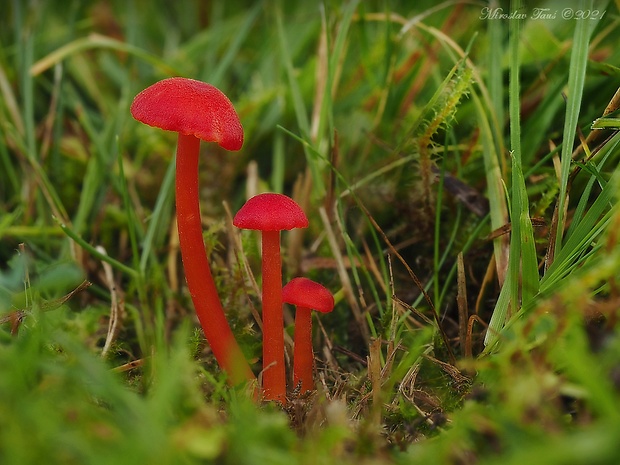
576	80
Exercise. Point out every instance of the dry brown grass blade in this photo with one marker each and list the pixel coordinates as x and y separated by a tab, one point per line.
172	259
461	301
352	355
488	278
48	123
614	103
386	371
374	374
11	102
413	310
507	228
331	187
172	272
15	317
294	238
53	304
550	254
595	135
372	266
322	65
470	328
116	304
128	366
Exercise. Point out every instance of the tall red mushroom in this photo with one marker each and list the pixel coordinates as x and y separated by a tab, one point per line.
197	110
306	295
271	213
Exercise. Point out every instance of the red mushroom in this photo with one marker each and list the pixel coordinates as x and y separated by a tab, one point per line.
272	213
197	110
306	295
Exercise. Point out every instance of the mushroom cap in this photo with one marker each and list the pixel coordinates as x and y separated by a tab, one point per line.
190	107
304	292
270	212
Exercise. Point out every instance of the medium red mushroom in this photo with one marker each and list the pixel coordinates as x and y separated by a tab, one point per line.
197	110
306	295
271	213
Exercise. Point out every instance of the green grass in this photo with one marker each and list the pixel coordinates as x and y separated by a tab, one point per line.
410	133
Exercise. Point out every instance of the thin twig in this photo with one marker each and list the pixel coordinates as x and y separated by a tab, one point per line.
415	279
344	277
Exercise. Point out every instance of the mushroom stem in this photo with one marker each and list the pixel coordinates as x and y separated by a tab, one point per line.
274	377
303	357
196	265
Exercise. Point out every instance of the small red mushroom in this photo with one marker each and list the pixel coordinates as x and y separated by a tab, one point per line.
197	110
306	295
271	213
